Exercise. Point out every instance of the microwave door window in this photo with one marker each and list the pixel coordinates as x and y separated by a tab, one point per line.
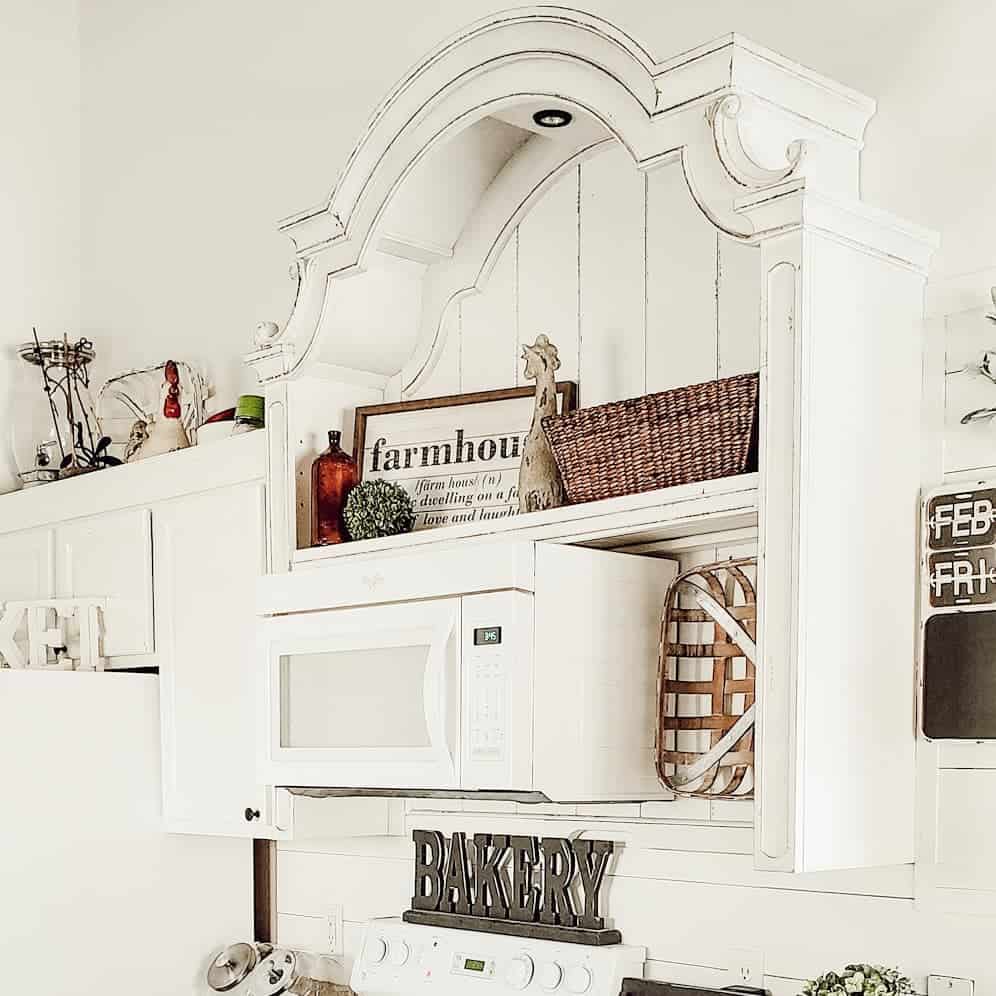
355	698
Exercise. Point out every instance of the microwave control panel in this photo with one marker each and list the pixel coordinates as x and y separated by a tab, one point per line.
497	686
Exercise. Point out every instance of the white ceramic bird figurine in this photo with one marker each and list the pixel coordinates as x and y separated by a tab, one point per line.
166	433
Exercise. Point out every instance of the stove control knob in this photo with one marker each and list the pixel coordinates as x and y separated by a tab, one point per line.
579	980
519	972
399	953
376	950
550	975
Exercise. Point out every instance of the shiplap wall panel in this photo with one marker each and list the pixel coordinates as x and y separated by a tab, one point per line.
800	930
613	279
446	376
739	306
968	334
966	829
681	285
488	358
548	275
596	265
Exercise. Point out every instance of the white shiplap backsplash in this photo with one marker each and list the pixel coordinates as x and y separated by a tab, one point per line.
641	294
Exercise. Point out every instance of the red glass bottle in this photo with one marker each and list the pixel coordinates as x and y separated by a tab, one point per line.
332	475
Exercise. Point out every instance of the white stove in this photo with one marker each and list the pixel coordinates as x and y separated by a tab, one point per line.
406	958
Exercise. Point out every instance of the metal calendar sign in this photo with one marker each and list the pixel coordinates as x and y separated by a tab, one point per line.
959	613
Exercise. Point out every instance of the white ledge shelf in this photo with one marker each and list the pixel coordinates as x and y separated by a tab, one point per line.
199	468
669	517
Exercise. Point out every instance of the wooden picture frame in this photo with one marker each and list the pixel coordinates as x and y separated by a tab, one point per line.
457	455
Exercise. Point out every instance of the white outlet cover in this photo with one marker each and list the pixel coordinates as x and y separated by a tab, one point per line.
949	985
746	967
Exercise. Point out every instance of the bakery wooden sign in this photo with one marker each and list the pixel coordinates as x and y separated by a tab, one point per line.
546	888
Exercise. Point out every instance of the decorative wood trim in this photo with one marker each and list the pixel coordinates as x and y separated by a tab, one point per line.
264	890
172	475
534	931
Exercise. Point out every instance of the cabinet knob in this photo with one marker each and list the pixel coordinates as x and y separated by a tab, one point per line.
251	814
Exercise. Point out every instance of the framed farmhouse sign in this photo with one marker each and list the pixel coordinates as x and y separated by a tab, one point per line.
458	456
545	888
958	600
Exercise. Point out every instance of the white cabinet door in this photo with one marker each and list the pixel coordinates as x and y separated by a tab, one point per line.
26	565
209	552
110	556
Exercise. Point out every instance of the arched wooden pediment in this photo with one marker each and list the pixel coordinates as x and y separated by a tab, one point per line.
454	123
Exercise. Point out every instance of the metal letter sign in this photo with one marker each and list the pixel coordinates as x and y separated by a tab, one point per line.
963	577
965	518
959	621
964	524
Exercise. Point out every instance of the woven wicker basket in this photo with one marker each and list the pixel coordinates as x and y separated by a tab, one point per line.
706	681
694	433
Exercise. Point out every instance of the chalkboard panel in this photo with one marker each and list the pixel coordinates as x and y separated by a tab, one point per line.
959	678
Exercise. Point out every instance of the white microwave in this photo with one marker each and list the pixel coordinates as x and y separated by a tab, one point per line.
511	669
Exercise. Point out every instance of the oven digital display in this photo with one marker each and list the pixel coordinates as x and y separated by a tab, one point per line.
473	965
487	636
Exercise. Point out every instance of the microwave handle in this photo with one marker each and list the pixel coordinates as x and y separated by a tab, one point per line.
434	691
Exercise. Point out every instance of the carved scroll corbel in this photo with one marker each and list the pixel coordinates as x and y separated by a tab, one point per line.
725	119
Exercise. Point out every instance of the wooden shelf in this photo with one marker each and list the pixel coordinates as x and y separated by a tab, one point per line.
670	516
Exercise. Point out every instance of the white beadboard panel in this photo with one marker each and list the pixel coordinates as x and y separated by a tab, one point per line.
968	335
685	974
304	933
674	836
739	302
731	810
307	883
966	754
681	285
800	932
738	870
966	838
398	847
446	374
548	275
488	358
613	278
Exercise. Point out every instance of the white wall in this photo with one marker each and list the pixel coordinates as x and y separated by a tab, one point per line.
205	122
39	183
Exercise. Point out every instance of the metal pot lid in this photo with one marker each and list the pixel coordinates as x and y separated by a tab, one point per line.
231	966
274	975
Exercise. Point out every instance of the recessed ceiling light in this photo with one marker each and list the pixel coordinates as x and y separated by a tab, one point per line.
553	117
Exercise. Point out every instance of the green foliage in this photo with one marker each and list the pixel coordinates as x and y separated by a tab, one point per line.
866	980
378	508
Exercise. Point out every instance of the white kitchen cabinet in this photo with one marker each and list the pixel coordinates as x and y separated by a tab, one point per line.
27	565
209	551
110	556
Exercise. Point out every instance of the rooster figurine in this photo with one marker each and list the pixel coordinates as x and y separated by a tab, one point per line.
166	433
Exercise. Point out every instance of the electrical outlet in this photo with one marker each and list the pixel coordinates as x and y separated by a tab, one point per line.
334	918
745	967
948	985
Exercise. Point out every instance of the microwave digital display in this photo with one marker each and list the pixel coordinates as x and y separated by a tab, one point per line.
487	636
473	965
